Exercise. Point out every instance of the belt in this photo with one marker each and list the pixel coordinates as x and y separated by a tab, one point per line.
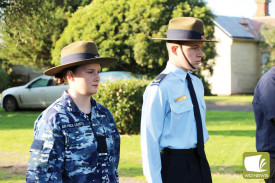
168	151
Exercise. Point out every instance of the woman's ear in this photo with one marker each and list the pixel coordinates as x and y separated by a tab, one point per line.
70	75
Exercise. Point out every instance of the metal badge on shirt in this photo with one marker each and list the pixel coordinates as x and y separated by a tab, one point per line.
180	99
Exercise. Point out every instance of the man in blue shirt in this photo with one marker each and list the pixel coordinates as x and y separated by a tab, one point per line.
173	112
264	110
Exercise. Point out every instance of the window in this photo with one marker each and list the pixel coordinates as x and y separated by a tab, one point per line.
265	62
40	83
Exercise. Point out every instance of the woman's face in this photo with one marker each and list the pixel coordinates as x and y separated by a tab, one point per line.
85	79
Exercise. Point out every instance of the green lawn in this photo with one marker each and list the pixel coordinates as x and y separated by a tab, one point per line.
230	99
231	134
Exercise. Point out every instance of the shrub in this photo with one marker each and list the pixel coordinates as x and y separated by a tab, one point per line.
124	100
4	78
124	29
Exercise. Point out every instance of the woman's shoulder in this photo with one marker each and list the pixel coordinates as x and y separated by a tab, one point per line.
98	105
101	109
52	112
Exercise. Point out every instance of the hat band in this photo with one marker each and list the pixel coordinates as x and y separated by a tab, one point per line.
183	34
77	57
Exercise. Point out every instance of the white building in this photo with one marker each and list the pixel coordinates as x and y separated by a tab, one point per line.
239	60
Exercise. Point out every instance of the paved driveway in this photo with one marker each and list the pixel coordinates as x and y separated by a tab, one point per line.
235	108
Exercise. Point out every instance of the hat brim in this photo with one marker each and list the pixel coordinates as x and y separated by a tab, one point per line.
195	40
103	61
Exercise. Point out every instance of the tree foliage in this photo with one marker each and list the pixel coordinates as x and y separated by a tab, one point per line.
30	28
268	32
124	29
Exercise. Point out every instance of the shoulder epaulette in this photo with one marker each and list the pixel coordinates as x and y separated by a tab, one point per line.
158	79
195	74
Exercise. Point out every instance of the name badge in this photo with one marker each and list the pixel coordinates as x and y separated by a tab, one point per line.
72	125
180	98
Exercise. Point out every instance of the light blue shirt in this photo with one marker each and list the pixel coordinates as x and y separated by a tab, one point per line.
168	119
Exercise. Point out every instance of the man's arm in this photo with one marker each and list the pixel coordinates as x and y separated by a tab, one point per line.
153	113
266	98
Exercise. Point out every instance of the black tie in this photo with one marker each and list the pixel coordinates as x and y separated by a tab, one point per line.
200	142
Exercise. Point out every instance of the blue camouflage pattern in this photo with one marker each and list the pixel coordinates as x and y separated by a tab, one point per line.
64	148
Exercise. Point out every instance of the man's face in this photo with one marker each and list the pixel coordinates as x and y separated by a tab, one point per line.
193	52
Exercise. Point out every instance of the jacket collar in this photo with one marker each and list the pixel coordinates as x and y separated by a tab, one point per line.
178	72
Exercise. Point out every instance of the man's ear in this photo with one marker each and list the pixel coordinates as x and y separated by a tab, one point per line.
174	49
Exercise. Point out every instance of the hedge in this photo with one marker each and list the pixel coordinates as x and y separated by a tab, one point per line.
4	78
124	100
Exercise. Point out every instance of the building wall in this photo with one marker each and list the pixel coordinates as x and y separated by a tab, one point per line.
244	63
221	79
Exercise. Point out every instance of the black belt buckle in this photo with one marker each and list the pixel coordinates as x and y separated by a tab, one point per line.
102	146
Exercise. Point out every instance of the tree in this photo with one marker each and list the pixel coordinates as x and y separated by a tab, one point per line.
30	28
268	32
123	29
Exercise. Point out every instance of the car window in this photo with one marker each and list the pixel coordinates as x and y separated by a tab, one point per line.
40	83
52	83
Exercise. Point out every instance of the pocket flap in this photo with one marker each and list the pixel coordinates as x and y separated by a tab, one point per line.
41	146
181	107
203	104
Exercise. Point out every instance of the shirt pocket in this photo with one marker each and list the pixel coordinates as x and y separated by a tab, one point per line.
80	149
40	152
79	138
181	106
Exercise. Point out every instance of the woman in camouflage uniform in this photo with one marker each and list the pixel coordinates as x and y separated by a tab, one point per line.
76	139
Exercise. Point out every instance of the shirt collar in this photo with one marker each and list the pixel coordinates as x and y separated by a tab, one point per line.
69	104
178	72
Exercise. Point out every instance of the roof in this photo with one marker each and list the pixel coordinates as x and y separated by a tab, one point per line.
232	26
242	28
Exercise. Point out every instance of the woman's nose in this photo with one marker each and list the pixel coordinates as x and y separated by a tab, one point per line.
97	77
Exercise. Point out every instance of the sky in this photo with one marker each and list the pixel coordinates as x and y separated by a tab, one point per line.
240	8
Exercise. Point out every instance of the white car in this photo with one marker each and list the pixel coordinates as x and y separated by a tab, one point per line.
38	93
118	75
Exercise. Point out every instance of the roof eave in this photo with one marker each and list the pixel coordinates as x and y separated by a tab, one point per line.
244	39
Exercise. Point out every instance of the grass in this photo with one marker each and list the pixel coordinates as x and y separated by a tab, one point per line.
231	134
230	99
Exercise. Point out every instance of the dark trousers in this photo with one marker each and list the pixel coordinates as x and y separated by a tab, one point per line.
272	171
183	168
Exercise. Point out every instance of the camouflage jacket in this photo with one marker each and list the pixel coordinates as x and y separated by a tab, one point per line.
66	149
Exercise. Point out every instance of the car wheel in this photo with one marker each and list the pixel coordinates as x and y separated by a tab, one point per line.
10	104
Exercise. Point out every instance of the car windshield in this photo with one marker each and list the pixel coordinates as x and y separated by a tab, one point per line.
135	75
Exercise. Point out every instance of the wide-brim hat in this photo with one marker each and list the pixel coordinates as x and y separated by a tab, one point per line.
80	53
185	29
